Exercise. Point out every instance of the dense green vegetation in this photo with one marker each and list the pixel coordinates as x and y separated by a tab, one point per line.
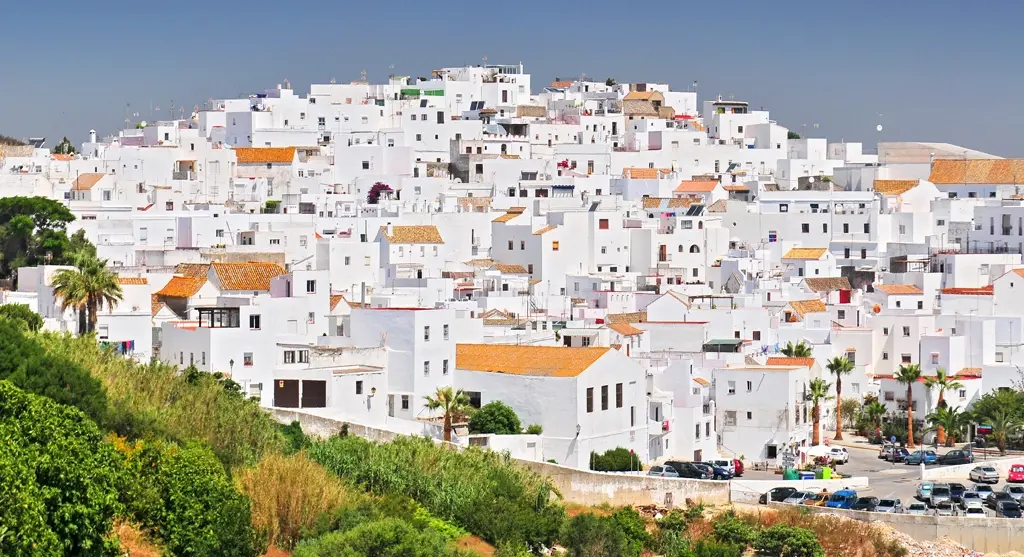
615	460
495	417
33	231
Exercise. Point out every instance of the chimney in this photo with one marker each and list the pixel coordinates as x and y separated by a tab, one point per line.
92	136
390	230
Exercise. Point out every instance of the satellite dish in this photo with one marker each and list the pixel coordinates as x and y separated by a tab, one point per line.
142	124
878	127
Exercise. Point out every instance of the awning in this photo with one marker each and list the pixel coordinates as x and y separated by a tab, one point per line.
562	187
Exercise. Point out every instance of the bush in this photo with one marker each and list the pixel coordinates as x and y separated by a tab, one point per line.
485	492
708	548
729	529
388	537
290	494
788	541
633	527
615	460
587	535
673	521
58	479
294	438
22	314
534	429
495	417
512	550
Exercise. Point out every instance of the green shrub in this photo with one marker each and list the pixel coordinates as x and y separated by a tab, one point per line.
486	493
294	438
788	541
495	417
587	535
510	549
615	460
58	479
633	527
710	548
20	313
729	529
534	429
674	521
388	537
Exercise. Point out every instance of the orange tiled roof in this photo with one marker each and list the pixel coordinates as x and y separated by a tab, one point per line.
736	187
561	84
898	289
977	171
182	287
827	284
969	373
696	186
673	202
806	254
635	317
253	275
895	187
335	299
543	361
804	307
511	269
702	382
132	280
983	291
194	270
420	234
155	304
506	217
640	173
547	228
786	361
264	155
86	181
625	329
60	157
640	95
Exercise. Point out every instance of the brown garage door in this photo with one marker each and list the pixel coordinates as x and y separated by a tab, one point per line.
314	394
286	393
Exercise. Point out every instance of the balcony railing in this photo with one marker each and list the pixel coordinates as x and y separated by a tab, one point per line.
978	247
183	175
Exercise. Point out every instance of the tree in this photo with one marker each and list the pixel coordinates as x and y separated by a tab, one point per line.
618	459
792	135
610	81
798	350
385	537
376	191
22	314
587	535
64	147
819	391
452	403
943	382
949	420
874	411
495	417
32	232
87	288
908	375
839	366
1004	423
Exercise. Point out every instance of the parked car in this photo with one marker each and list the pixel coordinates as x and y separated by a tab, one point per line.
885	451
975	512
797	498
983	490
839	455
1015	491
724	464
972	500
984	474
924	491
865	504
956	457
945	508
842	499
940	493
996	497
891	506
1016	473
717	473
1008	509
956	491
817	500
917	457
776	494
899	454
688	470
663	471
738	467
917	508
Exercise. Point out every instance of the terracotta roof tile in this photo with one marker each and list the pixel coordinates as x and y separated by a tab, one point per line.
639	108
421	234
625	329
182	287
786	361
641	173
641	95
543	361
667	202
804	307
696	186
898	289
86	181
547	228
828	284
806	254
511	269
983	291
635	317
969	373
124	281
253	275
60	157
736	187
480	262
561	84
194	270
506	217
895	187
719	206
977	171
264	155
335	300
156	304
702	382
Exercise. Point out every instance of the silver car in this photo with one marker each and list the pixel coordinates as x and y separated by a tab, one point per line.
984	474
891	506
940	494
975	512
1015	491
972	500
797	498
945	508
917	508
663	471
982	490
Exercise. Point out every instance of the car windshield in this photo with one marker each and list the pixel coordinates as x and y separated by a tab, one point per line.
971	495
1001	495
918	507
1015	489
863	500
940	491
975	510
1010	506
838	497
983	489
1017	469
886	503
988	470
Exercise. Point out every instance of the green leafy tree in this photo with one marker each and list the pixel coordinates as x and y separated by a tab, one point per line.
792	135
387	537
839	366
451	403
60	479
949	420
495	417
633	528
1004	424
587	535
798	350
87	288
788	541
908	375
33	232
819	390
610	81
943	382
20	313
64	147
874	411
615	460
728	528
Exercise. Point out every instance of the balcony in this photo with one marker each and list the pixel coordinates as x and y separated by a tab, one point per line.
183	175
706	409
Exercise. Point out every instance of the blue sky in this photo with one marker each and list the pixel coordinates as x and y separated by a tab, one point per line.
935	71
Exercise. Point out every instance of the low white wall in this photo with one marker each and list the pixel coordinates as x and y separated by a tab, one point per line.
522	447
961	471
748	491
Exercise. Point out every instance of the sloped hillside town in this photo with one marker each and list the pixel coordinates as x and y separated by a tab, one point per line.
623	265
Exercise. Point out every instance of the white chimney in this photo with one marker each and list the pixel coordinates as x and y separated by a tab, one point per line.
390	230
92	136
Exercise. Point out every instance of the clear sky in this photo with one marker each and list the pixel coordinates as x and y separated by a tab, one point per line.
941	70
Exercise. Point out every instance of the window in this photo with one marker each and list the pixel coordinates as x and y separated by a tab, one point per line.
885	330
756	335
254	321
554	245
590	399
750	386
963	394
920	304
275	241
310	286
732	387
522	244
618	395
898	303
935	358
359	387
730	418
247	359
841	314
604	397
846	228
444	367
863	253
426	333
347	260
906	331
783	207
602	224
510	248
405	402
750	416
426	369
885	356
366	165
805	228
867	227
905	358
707	429
999	357
289	356
303	356
445	329
890	396
696	431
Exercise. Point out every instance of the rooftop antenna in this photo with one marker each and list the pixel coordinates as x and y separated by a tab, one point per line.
171	110
333	80
362	75
391	69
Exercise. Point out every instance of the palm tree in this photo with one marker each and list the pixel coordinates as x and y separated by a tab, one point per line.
908	375
818	389
950	420
944	382
798	350
839	366
875	410
87	288
451	403
1003	424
